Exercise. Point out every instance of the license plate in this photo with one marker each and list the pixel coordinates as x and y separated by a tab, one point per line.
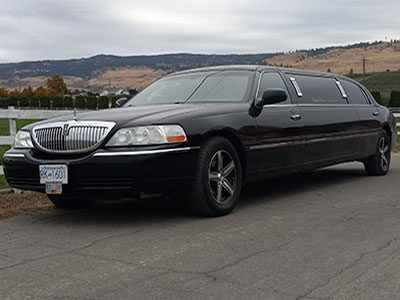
53	187
53	173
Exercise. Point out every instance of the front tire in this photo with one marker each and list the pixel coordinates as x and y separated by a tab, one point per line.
379	163
69	202
218	179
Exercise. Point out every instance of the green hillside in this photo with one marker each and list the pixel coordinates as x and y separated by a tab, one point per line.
383	82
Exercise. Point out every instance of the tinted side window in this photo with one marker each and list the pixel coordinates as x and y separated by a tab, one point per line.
272	81
319	90
354	93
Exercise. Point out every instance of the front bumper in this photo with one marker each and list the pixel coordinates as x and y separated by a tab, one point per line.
112	173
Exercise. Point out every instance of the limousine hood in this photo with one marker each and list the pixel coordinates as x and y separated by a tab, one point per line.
126	116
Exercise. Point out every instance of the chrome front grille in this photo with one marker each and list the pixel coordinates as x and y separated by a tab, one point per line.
71	136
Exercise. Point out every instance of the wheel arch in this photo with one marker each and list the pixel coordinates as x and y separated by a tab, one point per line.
388	130
235	141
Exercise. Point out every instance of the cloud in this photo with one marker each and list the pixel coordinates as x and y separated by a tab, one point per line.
56	29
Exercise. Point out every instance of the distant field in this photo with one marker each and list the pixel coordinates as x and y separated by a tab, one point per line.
127	77
383	82
379	58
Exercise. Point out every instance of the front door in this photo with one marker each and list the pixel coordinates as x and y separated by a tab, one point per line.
281	141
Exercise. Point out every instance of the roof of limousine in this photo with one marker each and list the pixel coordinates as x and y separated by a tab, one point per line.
262	68
253	68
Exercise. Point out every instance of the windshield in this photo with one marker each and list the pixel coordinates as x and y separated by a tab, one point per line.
199	87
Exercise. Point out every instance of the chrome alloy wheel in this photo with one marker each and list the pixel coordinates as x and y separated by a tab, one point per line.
384	152
222	176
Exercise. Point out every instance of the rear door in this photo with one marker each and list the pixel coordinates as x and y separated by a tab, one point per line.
330	122
369	125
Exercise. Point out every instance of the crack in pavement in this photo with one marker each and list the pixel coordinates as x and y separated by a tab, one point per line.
341	271
166	270
25	261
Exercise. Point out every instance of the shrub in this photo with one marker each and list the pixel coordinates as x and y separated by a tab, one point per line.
103	102
44	101
91	102
377	96
57	102
80	102
394	100
23	101
68	102
34	102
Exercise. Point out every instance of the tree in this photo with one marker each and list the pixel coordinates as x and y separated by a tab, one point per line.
41	92
3	92
15	93
27	92
56	86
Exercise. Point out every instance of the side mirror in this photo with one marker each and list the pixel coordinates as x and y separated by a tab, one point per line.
121	102
271	96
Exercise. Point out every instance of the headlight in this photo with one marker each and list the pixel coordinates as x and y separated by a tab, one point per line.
23	140
148	135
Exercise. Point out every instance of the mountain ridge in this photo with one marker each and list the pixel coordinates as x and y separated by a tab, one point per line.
107	70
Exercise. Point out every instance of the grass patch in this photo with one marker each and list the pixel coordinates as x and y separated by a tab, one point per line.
5	125
3	149
22	123
5	131
25	203
3	182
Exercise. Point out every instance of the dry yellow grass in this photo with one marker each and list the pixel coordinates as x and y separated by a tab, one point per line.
379	58
120	78
36	81
25	203
127	77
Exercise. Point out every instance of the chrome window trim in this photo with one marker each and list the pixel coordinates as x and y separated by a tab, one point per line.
324	105
342	91
259	83
366	104
296	86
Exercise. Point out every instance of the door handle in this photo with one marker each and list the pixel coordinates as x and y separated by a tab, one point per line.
295	117
376	113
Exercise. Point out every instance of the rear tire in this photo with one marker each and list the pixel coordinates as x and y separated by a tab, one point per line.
218	179
69	202
379	163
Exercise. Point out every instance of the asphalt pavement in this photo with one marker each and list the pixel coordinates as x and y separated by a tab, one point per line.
330	234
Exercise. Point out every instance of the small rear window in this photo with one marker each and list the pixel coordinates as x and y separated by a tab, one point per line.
354	93
319	90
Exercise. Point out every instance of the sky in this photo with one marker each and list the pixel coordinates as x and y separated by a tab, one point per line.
63	29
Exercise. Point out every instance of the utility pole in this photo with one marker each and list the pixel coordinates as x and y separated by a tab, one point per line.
364	60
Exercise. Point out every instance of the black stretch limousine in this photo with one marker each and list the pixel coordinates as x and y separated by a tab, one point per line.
204	133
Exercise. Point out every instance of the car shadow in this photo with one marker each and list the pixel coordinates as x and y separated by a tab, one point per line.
166	209
275	188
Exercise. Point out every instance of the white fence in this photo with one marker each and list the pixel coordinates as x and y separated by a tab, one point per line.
13	114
